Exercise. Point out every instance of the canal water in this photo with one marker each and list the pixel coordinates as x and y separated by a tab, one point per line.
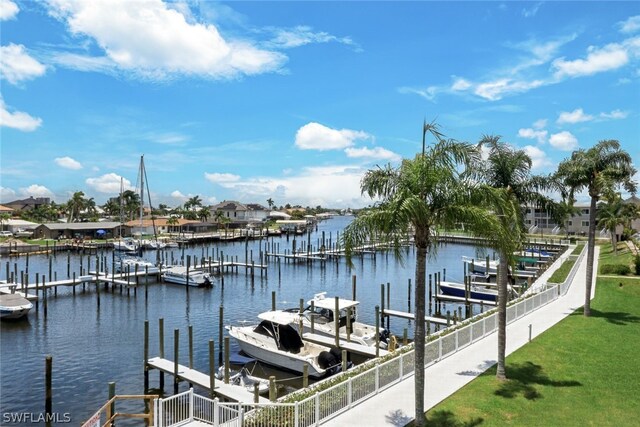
92	347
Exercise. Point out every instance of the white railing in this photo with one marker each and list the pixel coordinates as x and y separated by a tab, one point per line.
377	376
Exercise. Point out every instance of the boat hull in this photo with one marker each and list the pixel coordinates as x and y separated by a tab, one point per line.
267	352
457	290
13	306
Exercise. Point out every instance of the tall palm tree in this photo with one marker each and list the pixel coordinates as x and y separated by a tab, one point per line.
75	205
598	169
193	203
204	213
172	221
613	213
130	201
270	203
420	196
510	170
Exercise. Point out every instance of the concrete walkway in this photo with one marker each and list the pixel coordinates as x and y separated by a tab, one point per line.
395	406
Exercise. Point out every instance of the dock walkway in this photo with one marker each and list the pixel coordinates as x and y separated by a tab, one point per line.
395	406
227	391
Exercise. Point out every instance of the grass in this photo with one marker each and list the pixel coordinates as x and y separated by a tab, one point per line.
583	371
624	255
560	275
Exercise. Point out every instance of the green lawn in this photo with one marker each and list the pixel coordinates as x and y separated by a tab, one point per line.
624	255
583	371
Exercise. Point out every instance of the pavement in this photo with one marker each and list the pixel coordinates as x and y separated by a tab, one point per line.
395	406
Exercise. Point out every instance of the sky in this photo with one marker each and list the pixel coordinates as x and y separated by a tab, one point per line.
294	101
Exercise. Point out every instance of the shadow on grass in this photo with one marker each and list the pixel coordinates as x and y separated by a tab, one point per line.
523	377
613	317
448	419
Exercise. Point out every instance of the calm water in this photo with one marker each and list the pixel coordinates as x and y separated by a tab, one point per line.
92	347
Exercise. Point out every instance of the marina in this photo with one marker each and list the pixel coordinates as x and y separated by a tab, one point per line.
117	315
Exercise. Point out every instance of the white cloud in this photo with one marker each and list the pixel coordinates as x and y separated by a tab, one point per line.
221	177
314	136
334	186
18	119
8	10
540	124
68	163
427	93
575	116
630	25
532	11
151	40
16	65
539	135
375	153
178	195
169	138
539	159
461	84
564	141
615	114
496	89
609	57
108	183
36	190
7	194
303	35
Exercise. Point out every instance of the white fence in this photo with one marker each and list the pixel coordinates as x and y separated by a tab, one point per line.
334	400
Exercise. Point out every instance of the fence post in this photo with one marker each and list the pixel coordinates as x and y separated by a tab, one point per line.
349	391
191	404
317	408
216	418
377	377
401	366
296	415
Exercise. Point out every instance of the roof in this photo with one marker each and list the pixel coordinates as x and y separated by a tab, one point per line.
229	205
320	300
255	207
6	209
159	222
276	214
291	221
82	225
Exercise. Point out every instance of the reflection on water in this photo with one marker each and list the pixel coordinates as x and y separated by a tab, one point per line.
91	346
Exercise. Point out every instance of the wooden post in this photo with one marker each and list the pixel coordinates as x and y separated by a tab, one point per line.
305	375
226	360
344	360
336	320
405	339
161	348
273	300
256	392
212	370
348	326
146	356
272	389
409	296
112	408
37	286
377	331
353	287
176	352
190	346
313	317
220	334
48	397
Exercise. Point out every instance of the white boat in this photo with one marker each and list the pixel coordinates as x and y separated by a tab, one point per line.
480	265
276	342
125	245
153	244
243	378
323	313
178	274
478	292
133	264
14	306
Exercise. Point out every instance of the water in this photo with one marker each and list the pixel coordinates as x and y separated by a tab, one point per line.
92	347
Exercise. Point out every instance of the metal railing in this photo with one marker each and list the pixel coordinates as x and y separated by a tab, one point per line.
376	376
106	415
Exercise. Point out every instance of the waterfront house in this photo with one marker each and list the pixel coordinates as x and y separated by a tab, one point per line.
59	230
27	204
239	214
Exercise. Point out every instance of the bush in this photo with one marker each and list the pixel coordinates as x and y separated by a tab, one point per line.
618	269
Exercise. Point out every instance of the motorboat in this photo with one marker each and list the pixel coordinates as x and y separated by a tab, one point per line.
133	264
476	291
276	342
481	265
14	306
322	310
125	245
490	267
243	378
178	274
153	244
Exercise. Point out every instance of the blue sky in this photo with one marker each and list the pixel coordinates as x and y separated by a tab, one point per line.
295	100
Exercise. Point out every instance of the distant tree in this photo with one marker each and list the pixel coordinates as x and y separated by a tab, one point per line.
4	217
203	214
130	201
172	222
75	206
112	207
193	203
270	203
613	213
287	206
598	170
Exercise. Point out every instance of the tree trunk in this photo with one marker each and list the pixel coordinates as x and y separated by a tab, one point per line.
503	277
419	338
590	250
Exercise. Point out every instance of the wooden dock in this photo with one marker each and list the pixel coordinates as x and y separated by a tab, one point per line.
226	391
405	315
349	346
463	300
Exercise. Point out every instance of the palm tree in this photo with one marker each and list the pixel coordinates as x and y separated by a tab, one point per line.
270	203
509	170
203	214
130	201
598	170
75	205
420	196
4	217
193	203
172	221
614	213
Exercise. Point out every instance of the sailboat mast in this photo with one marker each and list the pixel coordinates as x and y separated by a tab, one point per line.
141	191
121	207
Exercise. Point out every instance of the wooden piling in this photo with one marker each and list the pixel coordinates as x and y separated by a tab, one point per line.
220	334
305	375
112	407
377	331
48	397
226	359
146	356
190	346
176	352
353	287
272	389
161	349
212	369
